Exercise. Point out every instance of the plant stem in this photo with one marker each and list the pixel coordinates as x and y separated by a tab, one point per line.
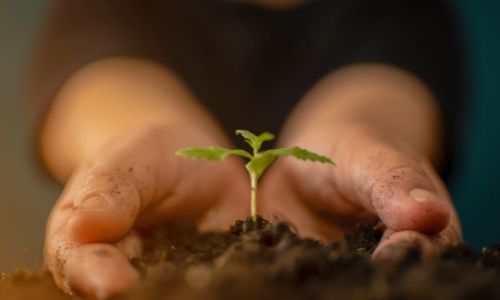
253	200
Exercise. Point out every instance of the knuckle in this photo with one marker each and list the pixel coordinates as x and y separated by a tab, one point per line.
401	175
99	176
391	180
102	181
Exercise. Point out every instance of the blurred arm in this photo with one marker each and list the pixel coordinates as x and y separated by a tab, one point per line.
385	100
111	97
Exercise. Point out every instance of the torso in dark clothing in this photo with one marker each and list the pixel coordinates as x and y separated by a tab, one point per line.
248	65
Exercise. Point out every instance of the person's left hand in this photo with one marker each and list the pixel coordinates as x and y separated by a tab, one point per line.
372	179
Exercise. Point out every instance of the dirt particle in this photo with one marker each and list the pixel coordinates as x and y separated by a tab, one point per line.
102	253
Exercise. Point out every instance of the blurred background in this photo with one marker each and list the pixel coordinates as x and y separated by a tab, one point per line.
26	194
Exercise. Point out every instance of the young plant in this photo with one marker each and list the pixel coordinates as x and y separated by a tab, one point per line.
258	162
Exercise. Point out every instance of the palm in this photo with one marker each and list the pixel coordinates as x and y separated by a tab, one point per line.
302	195
135	182
372	180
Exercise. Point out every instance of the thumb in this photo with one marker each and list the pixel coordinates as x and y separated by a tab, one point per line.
104	208
395	186
105	196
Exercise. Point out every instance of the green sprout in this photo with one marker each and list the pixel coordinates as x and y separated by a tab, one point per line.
258	162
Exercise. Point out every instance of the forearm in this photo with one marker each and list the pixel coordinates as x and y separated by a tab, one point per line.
384	100
110	98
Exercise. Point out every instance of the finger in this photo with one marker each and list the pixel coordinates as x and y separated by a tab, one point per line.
131	245
110	269
234	203
94	270
279	200
392	185
211	195
104	208
394	244
104	197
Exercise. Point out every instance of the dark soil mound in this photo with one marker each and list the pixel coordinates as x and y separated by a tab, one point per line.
268	261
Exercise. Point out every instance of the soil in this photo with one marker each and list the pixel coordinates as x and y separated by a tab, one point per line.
269	261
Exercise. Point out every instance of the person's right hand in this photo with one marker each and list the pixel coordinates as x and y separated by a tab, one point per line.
132	183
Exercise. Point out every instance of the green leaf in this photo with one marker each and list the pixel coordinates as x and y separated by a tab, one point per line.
259	164
255	141
247	135
299	153
263	137
211	153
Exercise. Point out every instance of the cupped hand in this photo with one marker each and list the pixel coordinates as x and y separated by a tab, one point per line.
373	179
134	182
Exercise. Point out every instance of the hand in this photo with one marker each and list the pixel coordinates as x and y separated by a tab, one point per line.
134	182
373	179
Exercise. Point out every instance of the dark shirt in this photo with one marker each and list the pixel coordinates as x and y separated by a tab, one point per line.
248	65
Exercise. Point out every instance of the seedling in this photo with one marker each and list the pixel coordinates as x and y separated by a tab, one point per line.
258	162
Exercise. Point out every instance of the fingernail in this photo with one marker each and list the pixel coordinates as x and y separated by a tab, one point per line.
421	195
96	202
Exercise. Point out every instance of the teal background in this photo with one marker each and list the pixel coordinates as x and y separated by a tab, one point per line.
476	186
26	195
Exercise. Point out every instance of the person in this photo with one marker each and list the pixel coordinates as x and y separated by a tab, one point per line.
374	85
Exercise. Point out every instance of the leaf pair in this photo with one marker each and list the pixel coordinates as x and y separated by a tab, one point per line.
255	141
258	162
